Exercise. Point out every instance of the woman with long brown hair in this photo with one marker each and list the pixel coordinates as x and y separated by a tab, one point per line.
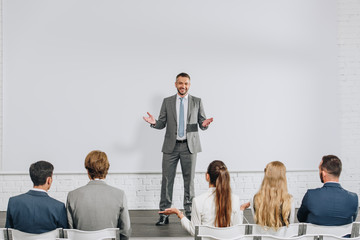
272	206
217	207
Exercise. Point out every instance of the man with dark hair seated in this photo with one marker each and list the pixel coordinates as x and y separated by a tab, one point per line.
330	205
97	205
35	211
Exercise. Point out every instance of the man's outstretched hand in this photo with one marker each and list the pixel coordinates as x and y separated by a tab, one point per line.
150	119
207	122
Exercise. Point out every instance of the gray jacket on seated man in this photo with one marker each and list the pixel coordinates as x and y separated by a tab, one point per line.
97	205
330	205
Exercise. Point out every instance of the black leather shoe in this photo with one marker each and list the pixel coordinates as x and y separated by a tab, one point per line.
164	219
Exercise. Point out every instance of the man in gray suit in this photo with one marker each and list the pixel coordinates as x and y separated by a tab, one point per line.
97	205
182	115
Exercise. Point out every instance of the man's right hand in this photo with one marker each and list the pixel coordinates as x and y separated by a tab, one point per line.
150	119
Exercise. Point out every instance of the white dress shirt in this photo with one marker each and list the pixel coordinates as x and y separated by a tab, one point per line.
204	211
186	104
38	189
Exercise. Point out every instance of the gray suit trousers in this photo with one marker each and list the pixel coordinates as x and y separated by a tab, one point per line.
169	163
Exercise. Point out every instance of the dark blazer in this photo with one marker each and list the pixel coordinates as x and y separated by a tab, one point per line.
167	118
35	212
330	205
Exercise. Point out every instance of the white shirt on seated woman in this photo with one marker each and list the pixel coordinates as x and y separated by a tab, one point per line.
204	207
204	211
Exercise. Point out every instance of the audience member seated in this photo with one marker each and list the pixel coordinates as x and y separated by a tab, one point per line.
97	205
34	211
272	206
216	207
330	205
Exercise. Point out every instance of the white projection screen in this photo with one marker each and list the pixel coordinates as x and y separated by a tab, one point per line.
79	75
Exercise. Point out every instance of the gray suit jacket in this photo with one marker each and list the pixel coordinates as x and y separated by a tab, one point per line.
167	118
96	206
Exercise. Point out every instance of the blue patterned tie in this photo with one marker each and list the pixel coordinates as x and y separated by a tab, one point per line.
181	119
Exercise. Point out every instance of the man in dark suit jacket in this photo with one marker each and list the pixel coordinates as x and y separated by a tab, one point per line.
330	205
182	115
35	211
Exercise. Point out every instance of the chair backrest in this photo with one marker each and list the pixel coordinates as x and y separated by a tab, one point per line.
327	230
244	237
108	233
332	237
303	237
209	232
3	234
14	234
292	230
269	237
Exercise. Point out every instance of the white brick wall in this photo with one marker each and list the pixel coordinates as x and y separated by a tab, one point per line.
349	83
143	190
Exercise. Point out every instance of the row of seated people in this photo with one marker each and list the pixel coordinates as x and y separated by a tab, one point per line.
98	206
272	206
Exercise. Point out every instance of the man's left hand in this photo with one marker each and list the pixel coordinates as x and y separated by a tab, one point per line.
207	122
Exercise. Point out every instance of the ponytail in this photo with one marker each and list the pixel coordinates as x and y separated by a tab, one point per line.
220	177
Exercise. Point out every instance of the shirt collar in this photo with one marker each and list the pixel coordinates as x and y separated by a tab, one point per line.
185	98
332	184
97	179
38	190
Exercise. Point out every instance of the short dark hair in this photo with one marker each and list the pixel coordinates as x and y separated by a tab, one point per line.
183	75
97	164
332	165
40	171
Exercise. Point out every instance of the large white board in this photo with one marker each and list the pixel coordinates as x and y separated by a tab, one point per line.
80	74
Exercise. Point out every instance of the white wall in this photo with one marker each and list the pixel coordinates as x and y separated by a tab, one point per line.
143	190
72	84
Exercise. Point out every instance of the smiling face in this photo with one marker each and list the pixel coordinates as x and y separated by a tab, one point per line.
182	85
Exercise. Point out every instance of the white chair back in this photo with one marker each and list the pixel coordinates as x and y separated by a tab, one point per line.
332	237
292	230
303	237
269	237
327	230
108	233
244	237
14	234
209	232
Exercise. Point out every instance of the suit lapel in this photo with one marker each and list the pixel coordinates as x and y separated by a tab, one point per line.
190	106
173	106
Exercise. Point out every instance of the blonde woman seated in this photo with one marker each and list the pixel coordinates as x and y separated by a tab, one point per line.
272	206
217	207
